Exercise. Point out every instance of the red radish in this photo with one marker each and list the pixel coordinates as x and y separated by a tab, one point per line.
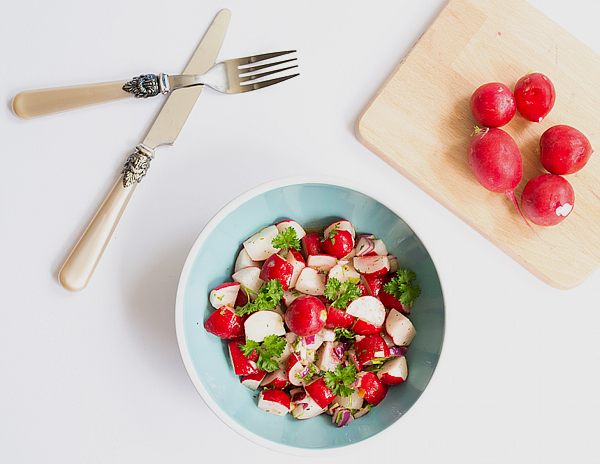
321	262
320	392
249	277
564	150
225	324
547	199
338	318
242	299
372	389
296	259
339	243
275	379
366	328
293	369
300	232
340	225
242	365
253	381
371	347
328	357
224	295
535	96
399	328
311	245
274	401
372	265
495	160
394	371
306	315
367	308
259	246
310	281
493	104
261	324
277	268
374	284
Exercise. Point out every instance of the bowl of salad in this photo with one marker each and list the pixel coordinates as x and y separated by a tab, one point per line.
309	315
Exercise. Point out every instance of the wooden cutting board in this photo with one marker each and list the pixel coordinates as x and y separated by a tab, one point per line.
420	123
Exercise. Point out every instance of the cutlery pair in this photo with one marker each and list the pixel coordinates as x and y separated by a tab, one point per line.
230	76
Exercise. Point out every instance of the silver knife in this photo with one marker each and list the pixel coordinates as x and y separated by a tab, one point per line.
81	263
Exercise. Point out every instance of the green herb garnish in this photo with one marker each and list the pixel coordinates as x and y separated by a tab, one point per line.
286	239
341	293
268	297
401	287
271	347
344	333
339	380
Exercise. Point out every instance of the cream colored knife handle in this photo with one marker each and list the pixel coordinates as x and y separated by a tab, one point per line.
81	263
32	103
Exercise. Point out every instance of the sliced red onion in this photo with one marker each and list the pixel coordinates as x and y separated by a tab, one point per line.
398	350
338	351
342	417
304	372
309	340
371	236
364	246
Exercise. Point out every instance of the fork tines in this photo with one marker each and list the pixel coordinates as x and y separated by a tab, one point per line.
248	74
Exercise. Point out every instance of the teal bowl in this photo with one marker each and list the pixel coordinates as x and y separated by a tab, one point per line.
313	202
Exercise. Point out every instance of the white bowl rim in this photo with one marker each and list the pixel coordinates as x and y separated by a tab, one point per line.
179	329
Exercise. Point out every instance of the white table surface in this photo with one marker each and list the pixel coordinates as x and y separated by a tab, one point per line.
96	376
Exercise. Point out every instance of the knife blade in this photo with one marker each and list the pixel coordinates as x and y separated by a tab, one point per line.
82	261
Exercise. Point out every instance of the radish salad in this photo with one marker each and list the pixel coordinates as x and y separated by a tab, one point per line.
317	321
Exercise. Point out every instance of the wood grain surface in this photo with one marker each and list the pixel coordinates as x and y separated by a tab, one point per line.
420	123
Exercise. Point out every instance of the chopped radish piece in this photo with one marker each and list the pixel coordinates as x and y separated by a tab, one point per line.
321	263
242	365
394	371
311	282
274	401
338	318
297	261
366	328
244	260
289	296
261	324
307	408
300	232
320	392
277	268
393	263
252	381
259	246
369	348
373	283
343	273
249	277
354	401
372	265
367	308
399	328
224	323
380	247
372	388
224	295
339	243
293	369
311	245
340	225
275	379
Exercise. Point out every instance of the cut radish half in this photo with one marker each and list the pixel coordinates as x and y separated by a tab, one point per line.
372	265
367	308
224	295
249	277
261	324
300	232
311	282
274	401
259	246
399	328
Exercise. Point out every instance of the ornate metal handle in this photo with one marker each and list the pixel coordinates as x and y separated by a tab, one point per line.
147	85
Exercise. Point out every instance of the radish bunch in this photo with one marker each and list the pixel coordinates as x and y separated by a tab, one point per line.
317	321
495	159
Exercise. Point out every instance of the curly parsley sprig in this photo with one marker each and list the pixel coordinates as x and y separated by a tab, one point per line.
269	296
339	380
286	239
271	348
401	287
341	293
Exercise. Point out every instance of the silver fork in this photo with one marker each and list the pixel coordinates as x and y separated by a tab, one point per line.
230	76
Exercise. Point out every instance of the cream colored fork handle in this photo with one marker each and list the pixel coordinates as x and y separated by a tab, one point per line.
32	103
80	265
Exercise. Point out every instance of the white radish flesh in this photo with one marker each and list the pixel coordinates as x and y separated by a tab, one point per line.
340	225
311	282
300	232
369	309
372	264
224	295
259	246
261	324
244	260
321	263
399	328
